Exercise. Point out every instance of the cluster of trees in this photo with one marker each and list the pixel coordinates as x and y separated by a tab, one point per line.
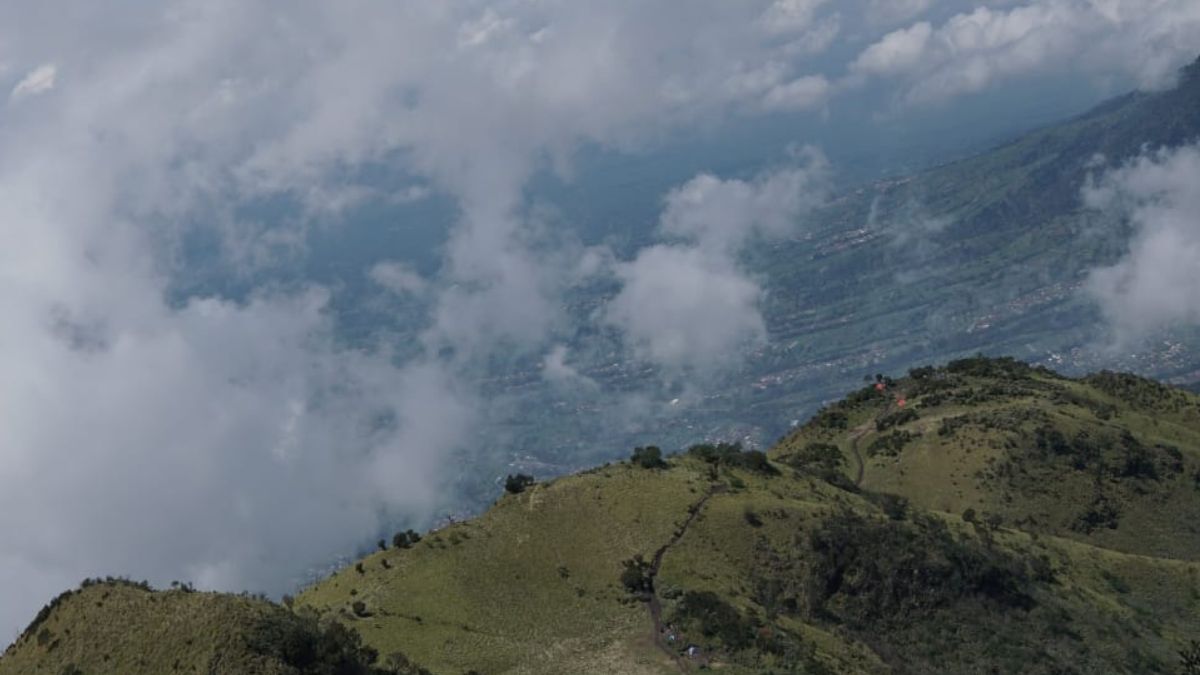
866	572
516	484
731	455
405	539
823	460
648	457
637	575
301	641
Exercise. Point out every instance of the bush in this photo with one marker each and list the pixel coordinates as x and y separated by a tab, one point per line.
731	455
648	457
823	460
896	419
892	444
299	642
405	539
705	612
867	572
517	484
636	577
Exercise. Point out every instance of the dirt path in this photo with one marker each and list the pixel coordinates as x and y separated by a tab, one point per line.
653	601
863	429
855	435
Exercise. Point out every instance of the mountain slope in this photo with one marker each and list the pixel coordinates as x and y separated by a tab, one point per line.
986	254
867	541
120	627
775	566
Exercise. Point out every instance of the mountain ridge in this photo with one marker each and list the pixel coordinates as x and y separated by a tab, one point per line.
788	561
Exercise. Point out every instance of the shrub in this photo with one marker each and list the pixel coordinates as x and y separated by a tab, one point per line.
896	419
636	577
518	483
752	518
405	539
1101	513
1189	659
648	457
891	444
705	612
300	642
823	460
868	572
731	455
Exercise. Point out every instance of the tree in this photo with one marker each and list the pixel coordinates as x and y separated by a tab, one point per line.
405	539
517	484
649	457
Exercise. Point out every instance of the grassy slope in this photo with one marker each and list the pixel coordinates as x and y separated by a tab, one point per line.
119	628
974	445
533	585
534	581
797	572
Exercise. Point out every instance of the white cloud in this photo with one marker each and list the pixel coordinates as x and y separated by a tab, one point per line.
686	309
721	215
1147	40
38	81
1157	285
237	443
891	12
899	51
398	278
688	306
799	94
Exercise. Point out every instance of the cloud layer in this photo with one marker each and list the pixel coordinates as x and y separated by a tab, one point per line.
688	306
1157	285
236	441
1147	40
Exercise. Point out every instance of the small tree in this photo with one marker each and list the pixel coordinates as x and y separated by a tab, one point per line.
1189	659
649	457
518	483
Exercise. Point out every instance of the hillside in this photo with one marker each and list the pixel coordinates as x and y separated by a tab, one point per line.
121	627
788	566
1003	519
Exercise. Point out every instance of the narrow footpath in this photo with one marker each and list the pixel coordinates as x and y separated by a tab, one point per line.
653	601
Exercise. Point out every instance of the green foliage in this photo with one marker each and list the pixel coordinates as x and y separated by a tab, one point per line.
636	577
731	455
1189	659
405	539
302	643
708	614
648	457
1003	368
516	484
891	444
823	460
829	418
866	572
896	419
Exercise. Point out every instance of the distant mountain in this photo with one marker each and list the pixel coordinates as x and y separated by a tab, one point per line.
987	254
986	517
